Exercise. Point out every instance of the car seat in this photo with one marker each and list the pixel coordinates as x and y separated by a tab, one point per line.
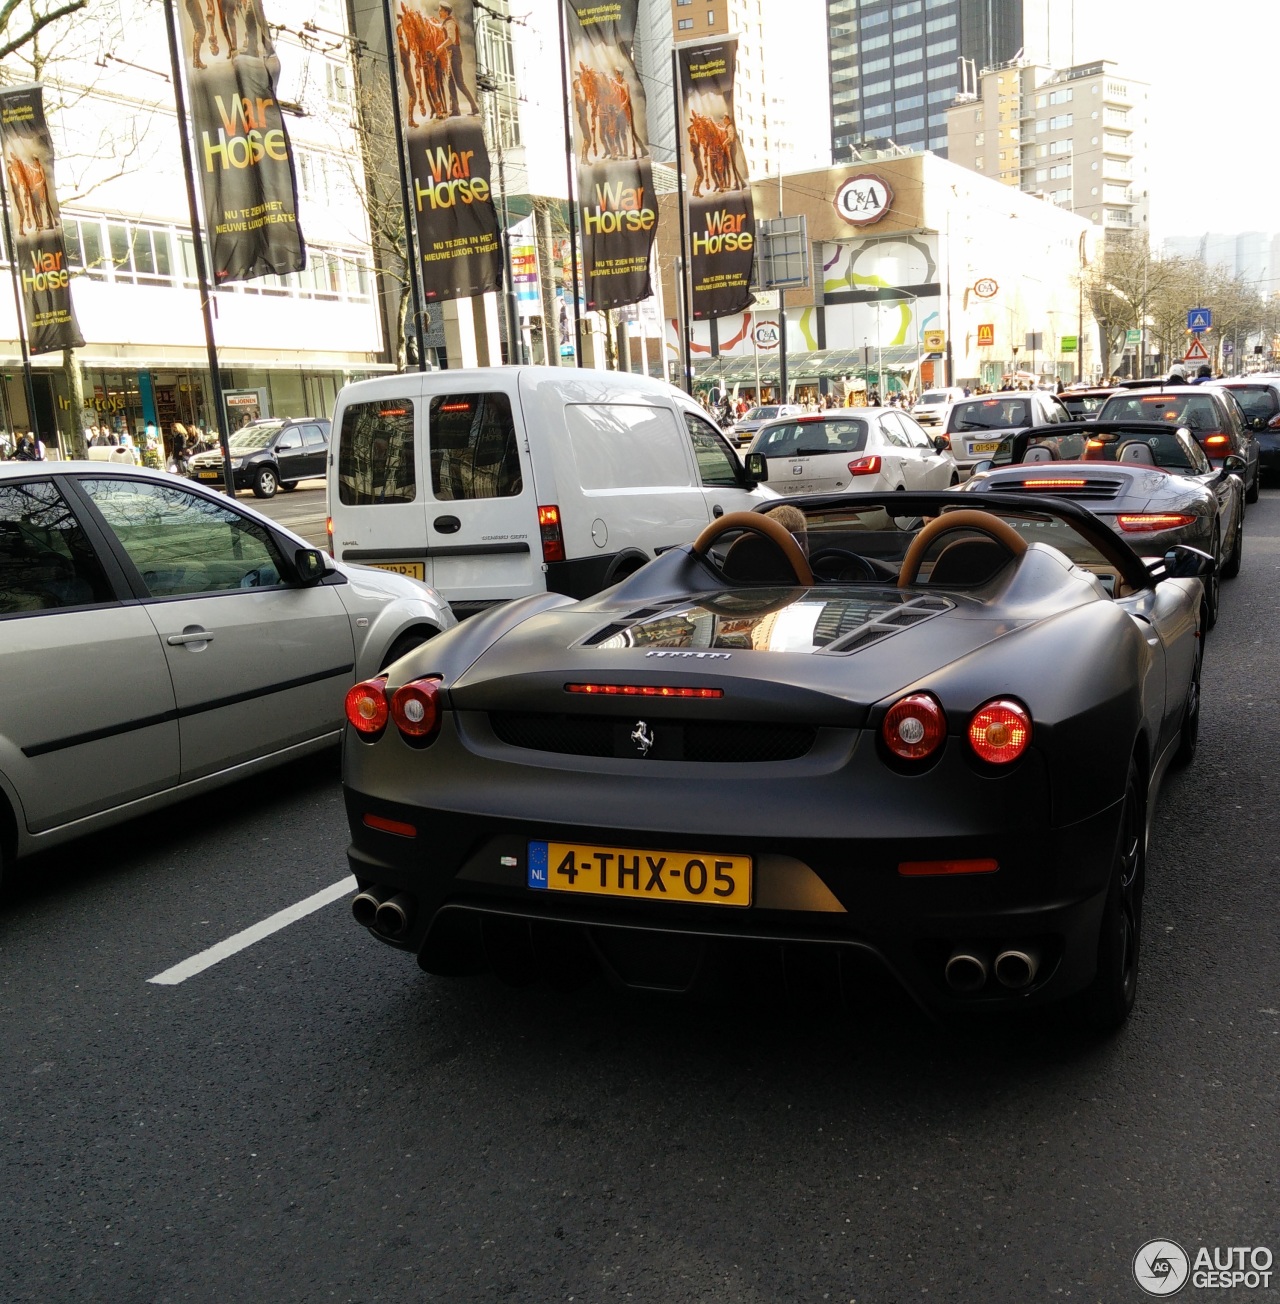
1135	451
1039	453
966	563
753	558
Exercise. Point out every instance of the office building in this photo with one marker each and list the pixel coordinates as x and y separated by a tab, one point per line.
1077	136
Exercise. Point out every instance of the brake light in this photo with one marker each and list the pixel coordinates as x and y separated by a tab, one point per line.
810	421
1054	483
415	707
366	706
1148	522
641	690
1000	731
552	538
1215	440
865	465
328	529
915	727
1095	443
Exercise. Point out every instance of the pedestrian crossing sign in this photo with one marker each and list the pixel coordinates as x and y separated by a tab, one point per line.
1199	319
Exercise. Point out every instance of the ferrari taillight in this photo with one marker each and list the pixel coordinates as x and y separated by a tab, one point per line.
552	536
869	465
1149	522
366	706
915	727
1000	731
415	707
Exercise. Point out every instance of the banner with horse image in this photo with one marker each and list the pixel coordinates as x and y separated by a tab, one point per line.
617	213
242	152
722	222
37	225
458	238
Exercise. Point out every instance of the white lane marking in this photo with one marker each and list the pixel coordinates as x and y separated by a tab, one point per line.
179	973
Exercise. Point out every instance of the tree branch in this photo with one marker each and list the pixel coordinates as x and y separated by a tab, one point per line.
72	7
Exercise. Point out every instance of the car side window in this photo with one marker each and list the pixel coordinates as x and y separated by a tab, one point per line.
916	435
376	462
46	560
474	451
716	465
290	441
889	429
182	543
312	438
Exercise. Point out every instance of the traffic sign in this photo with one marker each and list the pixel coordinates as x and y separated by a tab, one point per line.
1132	337
1067	344
1195	352
1199	319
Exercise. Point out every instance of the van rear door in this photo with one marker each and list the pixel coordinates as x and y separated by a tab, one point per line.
377	502
482	513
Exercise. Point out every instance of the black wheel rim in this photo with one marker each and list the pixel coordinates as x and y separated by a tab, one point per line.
1130	892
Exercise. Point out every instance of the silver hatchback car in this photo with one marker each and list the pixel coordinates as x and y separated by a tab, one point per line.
158	639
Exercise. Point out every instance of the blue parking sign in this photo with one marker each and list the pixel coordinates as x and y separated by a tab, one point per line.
1199	319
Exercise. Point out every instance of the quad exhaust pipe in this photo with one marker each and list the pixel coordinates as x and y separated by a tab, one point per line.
1015	967
387	912
966	971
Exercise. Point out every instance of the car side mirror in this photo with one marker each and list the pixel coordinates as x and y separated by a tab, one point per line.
1183	562
1234	464
311	565
941	444
987	465
757	467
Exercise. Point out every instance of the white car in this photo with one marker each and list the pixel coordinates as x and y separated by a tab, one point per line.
158	639
745	427
932	406
855	449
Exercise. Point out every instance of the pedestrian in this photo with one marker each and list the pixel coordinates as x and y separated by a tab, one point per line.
1203	372
179	447
1176	376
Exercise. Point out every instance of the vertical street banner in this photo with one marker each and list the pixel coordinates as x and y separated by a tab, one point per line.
448	163
722	223
524	267
37	225
242	154
617	214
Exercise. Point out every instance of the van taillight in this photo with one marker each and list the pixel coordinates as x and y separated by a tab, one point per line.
328	529
552	538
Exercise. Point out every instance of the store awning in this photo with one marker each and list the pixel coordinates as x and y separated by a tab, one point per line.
815	365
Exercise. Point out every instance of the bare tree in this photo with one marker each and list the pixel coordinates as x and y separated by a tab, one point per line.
22	22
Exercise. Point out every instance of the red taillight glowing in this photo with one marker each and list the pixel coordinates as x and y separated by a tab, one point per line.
1215	441
366	706
930	868
1000	731
641	690
1095	443
1050	483
328	529
552	538
415	707
869	465
1148	522
915	727
384	825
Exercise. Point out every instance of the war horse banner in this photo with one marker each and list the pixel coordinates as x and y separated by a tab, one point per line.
242	153
37	225
448	163
616	208
722	223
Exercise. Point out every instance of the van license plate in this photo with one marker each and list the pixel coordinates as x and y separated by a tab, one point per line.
415	570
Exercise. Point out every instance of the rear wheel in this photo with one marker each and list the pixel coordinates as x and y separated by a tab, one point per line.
1109	999
1190	736
405	644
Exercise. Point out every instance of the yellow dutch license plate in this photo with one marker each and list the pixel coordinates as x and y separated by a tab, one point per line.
699	876
415	570
989	447
209	475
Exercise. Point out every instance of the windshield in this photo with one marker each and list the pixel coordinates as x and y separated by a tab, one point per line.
933	396
990	414
1196	411
761	414
257	435
798	438
1083	404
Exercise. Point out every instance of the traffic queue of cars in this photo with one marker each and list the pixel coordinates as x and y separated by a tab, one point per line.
651	623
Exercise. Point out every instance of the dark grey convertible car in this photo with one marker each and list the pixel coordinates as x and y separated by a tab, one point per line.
929	751
1151	482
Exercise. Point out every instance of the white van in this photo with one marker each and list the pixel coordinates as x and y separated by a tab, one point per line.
496	482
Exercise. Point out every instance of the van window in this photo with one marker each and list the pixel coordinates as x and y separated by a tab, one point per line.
375	453
624	446
474	453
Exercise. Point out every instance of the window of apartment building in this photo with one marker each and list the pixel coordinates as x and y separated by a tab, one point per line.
939	97
1060	97
912	79
907	56
911	102
875	19
711	17
1119	216
940	48
1042	174
937	119
844	97
1117	117
1060	147
1118	89
1041	126
876	42
1060	120
684	2
907	33
1060	171
980	164
876	111
874	65
337	83
912	124
83	237
940	24
684	24
906	10
876	88
1061	197
980	138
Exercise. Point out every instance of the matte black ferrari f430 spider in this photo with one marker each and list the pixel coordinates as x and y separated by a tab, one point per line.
907	733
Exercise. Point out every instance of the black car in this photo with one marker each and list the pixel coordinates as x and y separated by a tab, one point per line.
1150	482
1213	417
271	454
1259	400
1083	404
924	751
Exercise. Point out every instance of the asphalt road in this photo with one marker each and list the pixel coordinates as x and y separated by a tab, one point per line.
313	1118
301	510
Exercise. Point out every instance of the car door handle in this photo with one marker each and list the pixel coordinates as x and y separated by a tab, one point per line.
189	636
717	510
447	524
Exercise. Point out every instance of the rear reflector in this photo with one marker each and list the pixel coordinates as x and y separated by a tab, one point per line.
552	538
642	690
400	829
1148	522
929	868
869	465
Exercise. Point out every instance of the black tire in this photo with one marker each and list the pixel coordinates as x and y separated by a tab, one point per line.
265	482
1231	567
1212	597
1110	997
1251	495
405	644
955	479
1189	738
288	485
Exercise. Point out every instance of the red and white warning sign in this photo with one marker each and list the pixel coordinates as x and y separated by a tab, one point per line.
1195	351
